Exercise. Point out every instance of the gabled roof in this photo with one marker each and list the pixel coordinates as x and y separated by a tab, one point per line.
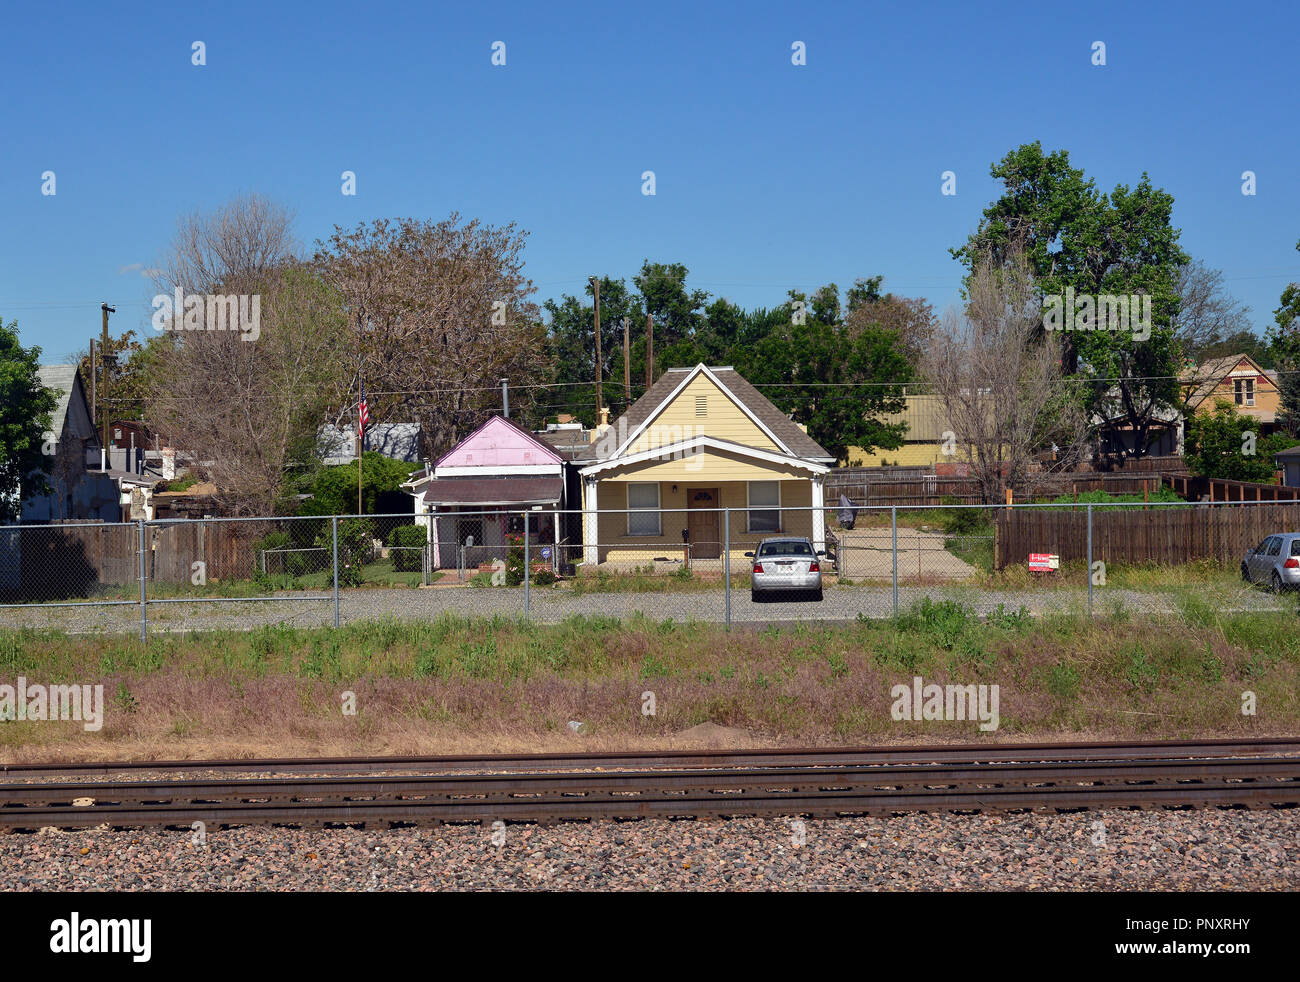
1206	377
1288	452
546	448
784	432
64	379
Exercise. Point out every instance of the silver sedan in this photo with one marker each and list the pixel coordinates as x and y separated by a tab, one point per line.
1275	562
786	566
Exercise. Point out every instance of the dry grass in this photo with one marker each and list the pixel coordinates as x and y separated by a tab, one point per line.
467	686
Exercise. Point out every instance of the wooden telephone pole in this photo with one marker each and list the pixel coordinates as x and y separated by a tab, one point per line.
649	350
627	361
600	371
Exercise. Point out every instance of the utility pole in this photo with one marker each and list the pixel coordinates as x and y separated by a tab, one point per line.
627	362
649	350
600	371
106	358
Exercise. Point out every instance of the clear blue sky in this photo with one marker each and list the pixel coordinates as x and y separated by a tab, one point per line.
769	176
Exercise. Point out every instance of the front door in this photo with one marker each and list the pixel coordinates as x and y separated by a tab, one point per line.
703	523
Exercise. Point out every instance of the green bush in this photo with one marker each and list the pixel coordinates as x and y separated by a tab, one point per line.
291	564
356	548
412	537
543	577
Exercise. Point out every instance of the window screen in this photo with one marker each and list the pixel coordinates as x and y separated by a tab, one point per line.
764	506
643	496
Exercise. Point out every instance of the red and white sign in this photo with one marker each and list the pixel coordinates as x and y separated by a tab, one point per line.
1044	562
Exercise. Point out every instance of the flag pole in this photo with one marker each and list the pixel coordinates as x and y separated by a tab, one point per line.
363	417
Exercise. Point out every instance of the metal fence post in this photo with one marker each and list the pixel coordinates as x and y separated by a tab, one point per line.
726	563
893	526
527	563
1090	560
144	614
335	522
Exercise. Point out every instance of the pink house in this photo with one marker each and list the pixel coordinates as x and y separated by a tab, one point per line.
479	490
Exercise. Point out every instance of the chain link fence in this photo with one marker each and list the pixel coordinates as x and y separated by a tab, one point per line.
693	564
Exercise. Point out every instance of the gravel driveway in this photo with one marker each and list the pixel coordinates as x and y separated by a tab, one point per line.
869	554
1104	850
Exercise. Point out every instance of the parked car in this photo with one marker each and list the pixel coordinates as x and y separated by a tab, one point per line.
1275	562
786	566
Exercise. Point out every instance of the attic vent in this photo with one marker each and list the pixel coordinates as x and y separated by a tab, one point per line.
701	405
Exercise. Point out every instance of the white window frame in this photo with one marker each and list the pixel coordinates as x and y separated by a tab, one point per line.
656	509
749	510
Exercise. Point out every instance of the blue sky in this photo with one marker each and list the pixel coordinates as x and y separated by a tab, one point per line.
769	176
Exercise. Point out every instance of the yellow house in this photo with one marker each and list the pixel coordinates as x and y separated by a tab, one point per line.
924	438
1236	379
699	441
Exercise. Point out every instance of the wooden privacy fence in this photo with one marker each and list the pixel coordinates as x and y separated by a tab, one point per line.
932	490
58	561
1162	534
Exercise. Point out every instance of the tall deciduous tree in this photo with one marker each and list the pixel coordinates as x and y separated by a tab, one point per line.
1074	237
1284	339
438	313
247	410
839	383
26	446
999	385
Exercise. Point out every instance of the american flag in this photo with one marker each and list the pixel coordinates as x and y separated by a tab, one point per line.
363	416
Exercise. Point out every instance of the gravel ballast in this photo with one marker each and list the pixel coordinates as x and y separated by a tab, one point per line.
1085	851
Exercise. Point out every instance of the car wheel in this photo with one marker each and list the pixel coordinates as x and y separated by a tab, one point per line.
1245	574
1277	583
753	596
818	595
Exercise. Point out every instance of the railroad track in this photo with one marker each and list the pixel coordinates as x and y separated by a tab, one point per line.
1117	781
798	757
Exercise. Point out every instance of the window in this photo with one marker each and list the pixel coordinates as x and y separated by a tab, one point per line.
764	506
1243	391
643	497
1275	545
791	547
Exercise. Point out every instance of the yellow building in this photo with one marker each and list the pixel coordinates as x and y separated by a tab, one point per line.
925	437
701	439
1236	379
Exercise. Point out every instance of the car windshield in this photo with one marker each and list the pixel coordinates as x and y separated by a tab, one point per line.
785	549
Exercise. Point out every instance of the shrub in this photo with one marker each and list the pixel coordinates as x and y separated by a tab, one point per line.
408	538
543	577
356	548
291	564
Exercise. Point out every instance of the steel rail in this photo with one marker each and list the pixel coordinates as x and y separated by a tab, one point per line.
1266	782
794	757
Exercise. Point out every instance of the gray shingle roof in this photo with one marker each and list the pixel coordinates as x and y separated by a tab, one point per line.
785	429
62	378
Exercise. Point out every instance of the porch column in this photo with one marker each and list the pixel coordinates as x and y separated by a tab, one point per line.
555	529
818	515
590	542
